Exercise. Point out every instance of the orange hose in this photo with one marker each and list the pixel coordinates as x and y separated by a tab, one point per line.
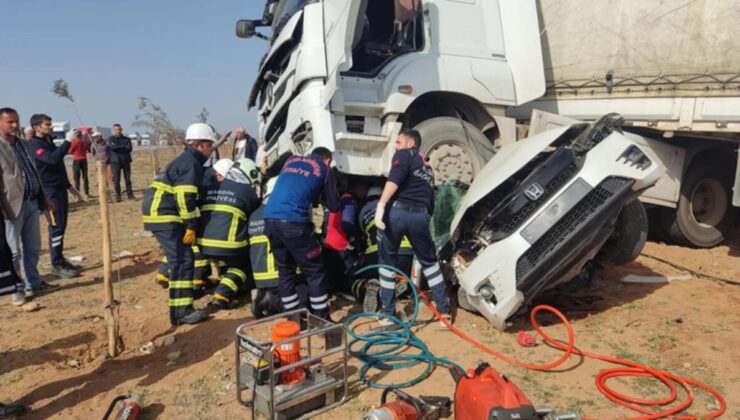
632	370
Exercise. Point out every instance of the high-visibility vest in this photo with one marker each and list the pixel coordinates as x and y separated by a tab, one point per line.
260	255
224	212
172	197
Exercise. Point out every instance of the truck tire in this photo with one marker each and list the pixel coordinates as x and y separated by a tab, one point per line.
628	238
451	152
704	214
462	300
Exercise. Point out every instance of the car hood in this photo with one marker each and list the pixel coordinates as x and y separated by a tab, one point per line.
504	164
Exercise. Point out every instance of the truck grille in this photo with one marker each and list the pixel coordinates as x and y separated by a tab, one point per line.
561	231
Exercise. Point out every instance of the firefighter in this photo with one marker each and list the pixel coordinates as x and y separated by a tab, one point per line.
366	286
341	237
409	196
288	225
265	296
222	230
169	211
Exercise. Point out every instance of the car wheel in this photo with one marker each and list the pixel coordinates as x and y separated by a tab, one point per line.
628	238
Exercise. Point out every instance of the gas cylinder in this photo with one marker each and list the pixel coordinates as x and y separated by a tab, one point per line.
289	352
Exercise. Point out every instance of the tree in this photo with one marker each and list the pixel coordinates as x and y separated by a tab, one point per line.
153	117
61	89
203	115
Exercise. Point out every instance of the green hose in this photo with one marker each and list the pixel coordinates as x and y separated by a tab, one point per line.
389	357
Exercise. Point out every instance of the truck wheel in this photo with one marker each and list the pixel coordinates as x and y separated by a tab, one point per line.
628	238
704	214
462	299
452	153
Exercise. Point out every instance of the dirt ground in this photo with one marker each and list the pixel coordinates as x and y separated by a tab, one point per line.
53	360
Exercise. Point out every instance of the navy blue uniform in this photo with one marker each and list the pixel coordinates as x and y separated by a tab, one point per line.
410	215
222	232
50	164
301	183
168	209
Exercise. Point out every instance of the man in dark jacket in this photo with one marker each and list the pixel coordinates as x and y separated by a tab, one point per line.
222	230
120	160
302	181
50	164
169	211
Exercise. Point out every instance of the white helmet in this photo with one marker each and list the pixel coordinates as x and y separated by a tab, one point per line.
223	166
200	132
250	170
374	192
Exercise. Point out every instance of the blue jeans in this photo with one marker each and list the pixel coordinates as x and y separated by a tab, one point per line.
415	226
23	235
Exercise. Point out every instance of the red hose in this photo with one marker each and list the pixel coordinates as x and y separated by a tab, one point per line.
632	369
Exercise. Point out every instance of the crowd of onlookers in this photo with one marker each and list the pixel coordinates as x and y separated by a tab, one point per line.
35	181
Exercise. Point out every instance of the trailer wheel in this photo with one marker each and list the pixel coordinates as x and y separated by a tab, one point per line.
704	215
454	151
463	302
628	238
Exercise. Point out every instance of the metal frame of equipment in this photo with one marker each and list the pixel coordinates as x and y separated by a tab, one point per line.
260	375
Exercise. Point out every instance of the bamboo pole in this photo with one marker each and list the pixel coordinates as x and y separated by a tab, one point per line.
155	161
110	319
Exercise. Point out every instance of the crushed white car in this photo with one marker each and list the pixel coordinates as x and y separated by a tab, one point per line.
542	208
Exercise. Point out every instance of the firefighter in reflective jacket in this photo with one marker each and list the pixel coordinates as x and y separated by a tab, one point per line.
222	230
341	239
168	211
266	297
366	286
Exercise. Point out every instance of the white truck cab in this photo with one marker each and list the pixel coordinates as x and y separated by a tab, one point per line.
348	74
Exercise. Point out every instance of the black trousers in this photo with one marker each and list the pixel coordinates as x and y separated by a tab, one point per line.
60	201
181	262
79	167
295	245
117	167
235	278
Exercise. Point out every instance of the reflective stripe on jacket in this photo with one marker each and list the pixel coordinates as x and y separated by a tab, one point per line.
260	255
367	220
224	212
172	197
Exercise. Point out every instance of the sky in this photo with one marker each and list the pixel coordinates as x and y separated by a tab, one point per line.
182	54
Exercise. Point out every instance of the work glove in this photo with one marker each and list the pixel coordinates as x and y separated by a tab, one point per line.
71	135
189	237
379	213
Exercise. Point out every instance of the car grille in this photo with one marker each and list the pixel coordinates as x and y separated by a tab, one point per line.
562	230
522	215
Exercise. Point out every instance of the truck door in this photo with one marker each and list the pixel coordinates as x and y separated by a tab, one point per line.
340	19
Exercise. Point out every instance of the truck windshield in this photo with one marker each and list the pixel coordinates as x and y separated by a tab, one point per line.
285	9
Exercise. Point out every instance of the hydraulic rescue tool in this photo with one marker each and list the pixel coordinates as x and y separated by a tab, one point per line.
300	371
482	393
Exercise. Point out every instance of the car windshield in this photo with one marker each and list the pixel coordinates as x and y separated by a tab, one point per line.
283	12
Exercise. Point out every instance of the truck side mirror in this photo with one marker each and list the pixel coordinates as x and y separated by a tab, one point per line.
245	28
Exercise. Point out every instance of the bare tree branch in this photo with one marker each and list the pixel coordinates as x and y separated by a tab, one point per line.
153	117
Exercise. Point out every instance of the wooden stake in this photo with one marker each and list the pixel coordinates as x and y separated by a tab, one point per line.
110	319
155	161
